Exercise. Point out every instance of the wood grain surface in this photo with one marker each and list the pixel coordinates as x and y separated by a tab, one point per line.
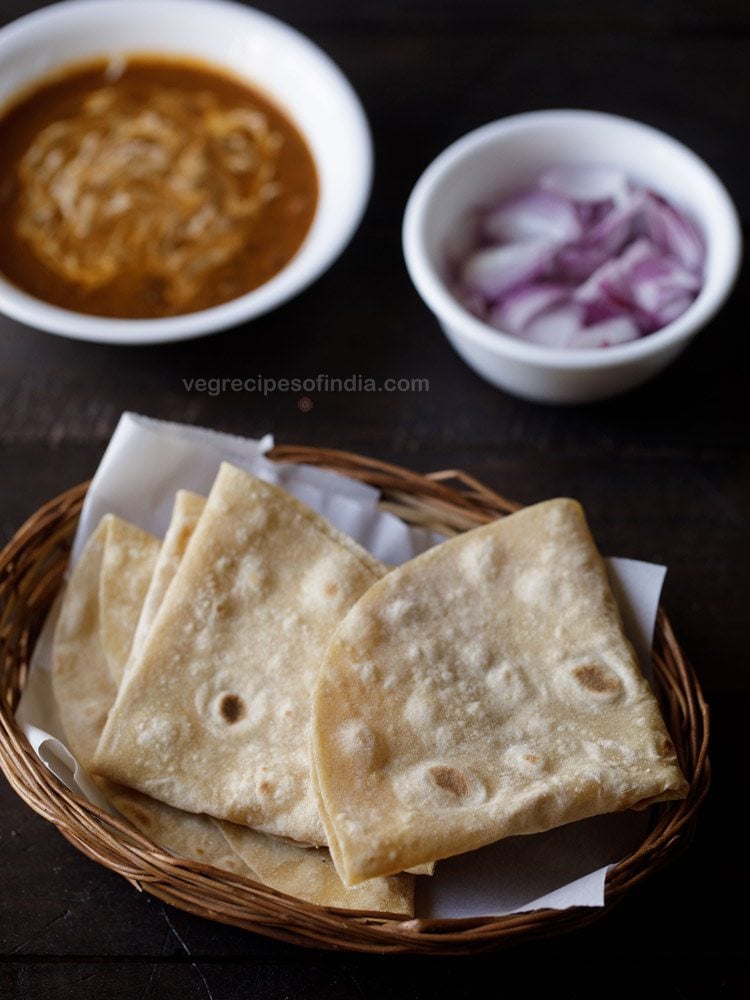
662	471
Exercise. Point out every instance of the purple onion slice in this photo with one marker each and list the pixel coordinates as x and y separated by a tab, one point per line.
520	306
674	233
556	327
602	241
584	258
606	334
497	270
532	215
586	183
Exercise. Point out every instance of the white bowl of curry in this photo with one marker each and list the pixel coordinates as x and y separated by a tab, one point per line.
169	168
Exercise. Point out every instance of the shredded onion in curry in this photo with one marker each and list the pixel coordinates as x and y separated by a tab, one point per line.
170	189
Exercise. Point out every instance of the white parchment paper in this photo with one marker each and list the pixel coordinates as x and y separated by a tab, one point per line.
148	460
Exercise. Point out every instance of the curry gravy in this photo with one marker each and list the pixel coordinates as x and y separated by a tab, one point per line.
152	189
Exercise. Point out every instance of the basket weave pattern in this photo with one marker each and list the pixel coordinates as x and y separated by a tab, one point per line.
31	569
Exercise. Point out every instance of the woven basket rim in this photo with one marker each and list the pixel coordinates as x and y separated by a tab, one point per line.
31	568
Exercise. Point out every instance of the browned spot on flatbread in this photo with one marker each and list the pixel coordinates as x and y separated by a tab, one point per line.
232	708
531	758
450	780
598	679
266	787
331	588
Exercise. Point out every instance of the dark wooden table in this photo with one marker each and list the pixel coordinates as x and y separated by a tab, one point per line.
662	471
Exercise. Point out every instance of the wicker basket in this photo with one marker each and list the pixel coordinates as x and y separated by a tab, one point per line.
31	567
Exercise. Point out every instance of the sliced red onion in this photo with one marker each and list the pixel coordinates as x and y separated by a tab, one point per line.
658	281
610	281
577	261
497	270
520	306
636	253
603	240
532	215
606	334
607	307
586	183
556	327
591	213
641	283
582	259
674	233
668	312
616	227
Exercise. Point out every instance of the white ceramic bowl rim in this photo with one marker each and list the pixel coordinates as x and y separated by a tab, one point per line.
442	302
302	269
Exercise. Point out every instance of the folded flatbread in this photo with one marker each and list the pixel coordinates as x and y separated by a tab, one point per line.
90	647
128	559
85	692
309	873
186	511
483	690
214	713
100	608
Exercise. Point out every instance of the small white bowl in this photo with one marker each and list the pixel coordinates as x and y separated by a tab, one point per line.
279	60
508	154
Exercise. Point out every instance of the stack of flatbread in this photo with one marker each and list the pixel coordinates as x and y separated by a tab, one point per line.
184	674
257	691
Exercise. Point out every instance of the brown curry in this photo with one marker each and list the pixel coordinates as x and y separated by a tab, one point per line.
151	189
